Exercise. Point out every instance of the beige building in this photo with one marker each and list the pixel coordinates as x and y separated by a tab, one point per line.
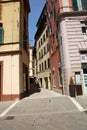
31	62
42	52
14	49
73	46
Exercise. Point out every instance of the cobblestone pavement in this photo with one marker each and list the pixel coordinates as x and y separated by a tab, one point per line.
48	111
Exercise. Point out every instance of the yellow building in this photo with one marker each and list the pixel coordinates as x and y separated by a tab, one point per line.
42	52
14	49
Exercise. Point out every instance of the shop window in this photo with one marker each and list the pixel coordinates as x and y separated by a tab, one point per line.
77	78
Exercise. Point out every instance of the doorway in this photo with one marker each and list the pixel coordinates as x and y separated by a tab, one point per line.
25	79
46	83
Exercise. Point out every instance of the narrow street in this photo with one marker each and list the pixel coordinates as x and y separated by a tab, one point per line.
45	110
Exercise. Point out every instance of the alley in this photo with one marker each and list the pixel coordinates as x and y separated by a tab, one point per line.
45	110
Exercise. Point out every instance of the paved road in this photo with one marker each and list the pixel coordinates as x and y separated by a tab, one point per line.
45	110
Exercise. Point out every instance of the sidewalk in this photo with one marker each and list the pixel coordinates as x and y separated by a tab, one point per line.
82	101
4	105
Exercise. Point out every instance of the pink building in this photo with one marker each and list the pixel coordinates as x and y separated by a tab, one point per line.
67	21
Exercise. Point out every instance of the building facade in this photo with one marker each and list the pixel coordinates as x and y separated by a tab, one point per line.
42	51
52	9
71	36
31	62
14	58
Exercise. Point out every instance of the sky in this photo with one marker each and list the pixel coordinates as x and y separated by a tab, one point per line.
36	9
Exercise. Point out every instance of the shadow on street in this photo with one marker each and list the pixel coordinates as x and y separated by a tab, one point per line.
85	111
34	88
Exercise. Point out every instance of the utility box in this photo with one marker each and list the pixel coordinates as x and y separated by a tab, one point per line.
72	90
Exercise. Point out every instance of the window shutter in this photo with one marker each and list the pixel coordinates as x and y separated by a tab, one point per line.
74	4
1	35
84	4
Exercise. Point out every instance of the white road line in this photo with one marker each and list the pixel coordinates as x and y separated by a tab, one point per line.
8	109
80	108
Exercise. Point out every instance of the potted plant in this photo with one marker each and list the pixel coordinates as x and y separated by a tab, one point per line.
72	87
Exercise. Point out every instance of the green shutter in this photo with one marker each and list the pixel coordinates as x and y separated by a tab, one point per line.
75	5
1	35
84	4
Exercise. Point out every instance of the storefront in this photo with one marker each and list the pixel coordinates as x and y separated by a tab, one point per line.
84	68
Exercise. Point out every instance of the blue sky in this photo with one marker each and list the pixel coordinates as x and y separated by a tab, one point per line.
36	8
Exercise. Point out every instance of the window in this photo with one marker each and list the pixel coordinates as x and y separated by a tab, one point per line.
45	65
1	35
48	63
60	76
84	4
41	41
84	26
77	78
39	67
39	55
42	66
46	33
50	29
44	50
48	11
39	44
47	47
75	5
54	13
43	37
57	37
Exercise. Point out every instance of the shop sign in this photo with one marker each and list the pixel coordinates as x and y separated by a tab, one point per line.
84	58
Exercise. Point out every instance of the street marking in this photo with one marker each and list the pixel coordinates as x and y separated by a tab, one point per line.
8	109
80	108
